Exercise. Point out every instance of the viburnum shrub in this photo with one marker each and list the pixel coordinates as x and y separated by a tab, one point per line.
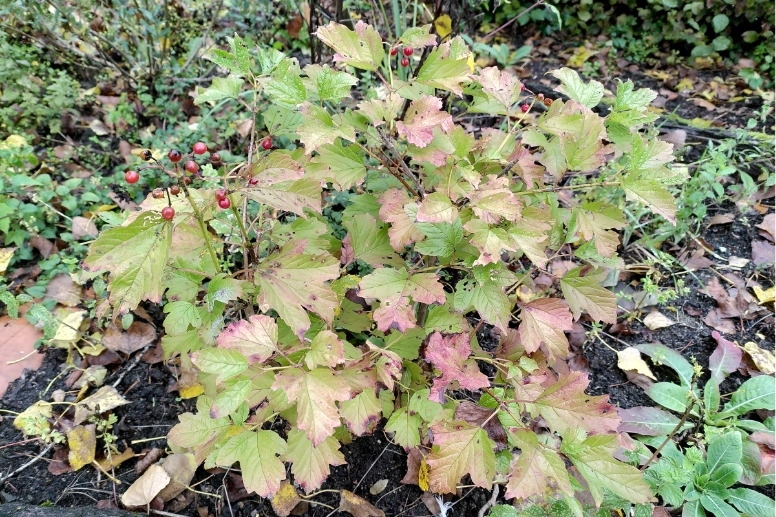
346	273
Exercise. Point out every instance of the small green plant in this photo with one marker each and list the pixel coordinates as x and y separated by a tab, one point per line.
330	323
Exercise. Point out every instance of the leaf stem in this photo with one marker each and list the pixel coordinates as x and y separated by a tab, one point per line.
202	228
669	437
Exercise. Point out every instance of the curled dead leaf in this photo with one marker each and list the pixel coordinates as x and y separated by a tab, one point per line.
146	487
357	506
630	359
656	320
181	468
765	360
83	227
285	499
137	336
378	487
150	458
116	459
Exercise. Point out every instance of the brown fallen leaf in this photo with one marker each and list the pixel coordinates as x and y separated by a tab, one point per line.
357	506
717	321
722	219
181	467
43	245
285	499
137	336
768	226
106	504
62	289
656	320
703	103
83	227
116	459
58	464
677	137
145	488
150	458
659	511
695	260
82	441
414	458
763	252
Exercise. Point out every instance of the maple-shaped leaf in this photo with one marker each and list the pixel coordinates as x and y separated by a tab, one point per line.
423	115
584	149
450	354
552	157
446	67
135	255
221	362
565	406
256	338
531	233
326	349
596	220
544	321
319	128
380	111
195	430
651	194
309	463
221	88
315	393
325	84
526	166
257	452
368	241
406	428
437	208
489	241
342	165
393	209
360	48
594	458
281	121
589	94
460	449
583	291
441	240
301	194
650	156
228	400
361	413
530	474
488	299
292	282
493	200
394	287
502	87
276	167
417	37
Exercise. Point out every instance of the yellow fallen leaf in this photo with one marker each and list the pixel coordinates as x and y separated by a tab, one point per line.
5	258
104	399
189	392
580	55
630	359
67	332
33	421
685	85
116	459
765	296
444	26
285	499
423	475
13	141
763	359
82	441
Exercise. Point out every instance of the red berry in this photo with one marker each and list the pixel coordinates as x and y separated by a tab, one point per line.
191	167
215	158
224	203
168	213
540	97
408	51
394	51
405	62
267	143
525	108
175	190
548	102
131	176
145	154
253	181
220	194
187	181
174	155
199	148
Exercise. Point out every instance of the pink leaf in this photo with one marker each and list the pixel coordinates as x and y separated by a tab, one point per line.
451	355
423	115
544	321
725	358
256	338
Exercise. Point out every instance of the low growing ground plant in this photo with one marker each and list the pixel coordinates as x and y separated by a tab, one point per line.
339	275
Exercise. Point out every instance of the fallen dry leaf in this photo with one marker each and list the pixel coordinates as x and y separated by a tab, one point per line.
357	506
93	375
722	219
677	137
83	227
105	399
181	467
146	461
696	260
58	464
642	381
62	289
414	458
763	252
43	245
378	487
137	336
68	331
737	262
763	359
285	499
768	226
431	503
630	359
656	320
145	488
717	321
765	296
82	441
17	349
116	459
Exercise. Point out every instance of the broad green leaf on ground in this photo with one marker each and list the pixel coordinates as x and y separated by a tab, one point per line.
543	322
589	94
460	449
301	194
502	87
380	111
651	194
493	200
276	167
594	458
221	362
135	255
446	67
256	338
649	421
423	115
406	428
418	37
596	221
361	413
319	128
325	84
285	87
490	241
368	241
450	354
310	464
751	503
566	407
756	393
292	283
583	291
195	430
326	349
487	299
342	165
360	48
393	209
535	468
437	208
257	452
315	393
221	88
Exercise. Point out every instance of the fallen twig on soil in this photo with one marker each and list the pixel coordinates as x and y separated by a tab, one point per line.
33	460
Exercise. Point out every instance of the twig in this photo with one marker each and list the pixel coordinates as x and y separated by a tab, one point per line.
131	366
668	438
370	466
510	22
33	460
490	503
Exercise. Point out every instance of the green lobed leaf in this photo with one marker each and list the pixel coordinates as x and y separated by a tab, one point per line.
342	165
446	67
589	94
221	88
180	315
417	37
460	449
281	121
257	452
285	86
221	362
195	430
406	428
256	338
650	194
310	465
583	291
441	240
326	84
360	48
488	299
361	413
368	241
228	400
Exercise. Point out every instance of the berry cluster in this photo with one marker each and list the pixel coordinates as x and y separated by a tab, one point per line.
407	51
539	98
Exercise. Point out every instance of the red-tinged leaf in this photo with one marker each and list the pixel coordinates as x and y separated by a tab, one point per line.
395	312
489	241
326	349
544	321
649	421
531	472
423	115
526	166
393	209
531	233
596	220
292	283
450	354
566	407
361	413
277	167
315	393
584	292
310	464
481	417
302	194
380	111
460	449
725	358
360	48
493	200
257	452
256	338
437	208
502	87
386	283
